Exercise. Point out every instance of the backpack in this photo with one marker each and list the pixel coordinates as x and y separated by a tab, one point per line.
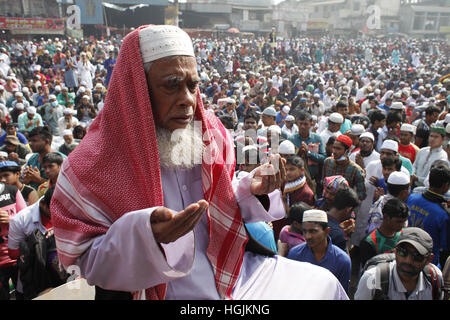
382	261
36	274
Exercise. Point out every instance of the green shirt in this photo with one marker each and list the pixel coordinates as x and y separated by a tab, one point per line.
376	243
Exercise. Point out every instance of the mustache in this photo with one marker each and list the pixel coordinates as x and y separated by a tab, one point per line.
408	269
189	112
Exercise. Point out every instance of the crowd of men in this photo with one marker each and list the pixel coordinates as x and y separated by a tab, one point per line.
363	125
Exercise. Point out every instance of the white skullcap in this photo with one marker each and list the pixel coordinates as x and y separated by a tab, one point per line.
18	94
51	96
290	118
161	41
25	90
390	145
286	109
57	88
286	147
67	111
231	100
31	110
357	129
20	106
398	178
336	118
397	106
315	216
67	132
274	128
314	117
367	135
408	127
270	111
3	154
86	97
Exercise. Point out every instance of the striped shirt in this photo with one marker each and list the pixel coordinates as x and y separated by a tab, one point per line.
350	171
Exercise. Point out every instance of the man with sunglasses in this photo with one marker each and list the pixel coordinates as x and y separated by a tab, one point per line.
407	277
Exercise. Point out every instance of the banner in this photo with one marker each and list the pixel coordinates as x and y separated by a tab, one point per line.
30	23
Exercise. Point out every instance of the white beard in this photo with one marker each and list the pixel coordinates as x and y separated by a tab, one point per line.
182	148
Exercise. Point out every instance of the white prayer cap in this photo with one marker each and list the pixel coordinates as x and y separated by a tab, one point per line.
161	41
408	127
25	90
290	118
286	147
367	135
336	117
20	106
18	94
315	216
231	100
51	97
390	145
286	109
67	132
275	129
357	129
31	110
57	88
67	111
86	97
398	178
270	111
397	106
3	154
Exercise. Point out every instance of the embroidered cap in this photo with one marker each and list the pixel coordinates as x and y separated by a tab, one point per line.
161	41
398	178
286	147
315	216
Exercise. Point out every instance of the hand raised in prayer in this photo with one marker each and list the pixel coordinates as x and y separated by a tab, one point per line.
33	175
348	226
168	226
269	177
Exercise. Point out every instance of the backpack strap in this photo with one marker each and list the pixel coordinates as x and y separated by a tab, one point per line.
382	288
373	236
432	276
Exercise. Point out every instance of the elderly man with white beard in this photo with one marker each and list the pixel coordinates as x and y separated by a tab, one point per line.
154	212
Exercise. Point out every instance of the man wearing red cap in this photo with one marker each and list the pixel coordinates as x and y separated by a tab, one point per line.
340	164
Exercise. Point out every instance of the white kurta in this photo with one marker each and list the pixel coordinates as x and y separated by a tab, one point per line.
118	261
373	169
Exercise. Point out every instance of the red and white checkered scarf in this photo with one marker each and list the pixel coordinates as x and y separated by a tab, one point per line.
119	153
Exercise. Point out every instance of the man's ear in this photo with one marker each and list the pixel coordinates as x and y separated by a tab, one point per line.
430	258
